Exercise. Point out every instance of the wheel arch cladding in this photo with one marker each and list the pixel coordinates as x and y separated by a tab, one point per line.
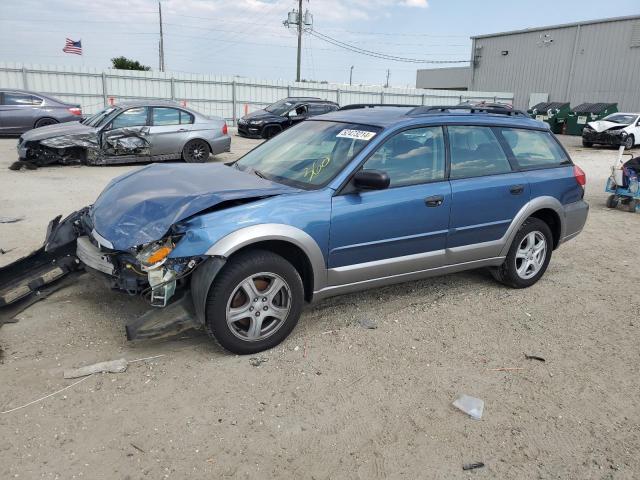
295	245
552	219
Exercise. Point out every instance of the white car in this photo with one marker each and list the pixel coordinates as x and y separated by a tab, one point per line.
615	129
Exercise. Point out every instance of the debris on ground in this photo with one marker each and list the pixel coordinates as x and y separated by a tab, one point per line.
114	366
470	405
11	219
3	251
505	369
257	361
534	357
368	323
137	447
471	466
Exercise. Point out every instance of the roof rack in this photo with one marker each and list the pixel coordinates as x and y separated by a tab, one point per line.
431	110
355	106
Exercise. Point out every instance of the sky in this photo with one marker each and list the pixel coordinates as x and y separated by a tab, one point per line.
247	38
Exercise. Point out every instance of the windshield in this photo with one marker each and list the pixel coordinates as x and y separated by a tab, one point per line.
97	119
280	107
308	155
621	119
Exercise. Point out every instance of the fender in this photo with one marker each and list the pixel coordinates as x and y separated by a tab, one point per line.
525	212
234	241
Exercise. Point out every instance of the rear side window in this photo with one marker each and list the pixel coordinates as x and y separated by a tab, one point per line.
411	157
475	151
21	99
533	149
185	117
166	116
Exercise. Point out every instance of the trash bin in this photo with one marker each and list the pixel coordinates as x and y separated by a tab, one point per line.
554	113
588	112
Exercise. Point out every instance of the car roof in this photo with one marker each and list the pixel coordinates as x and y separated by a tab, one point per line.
400	116
309	99
148	103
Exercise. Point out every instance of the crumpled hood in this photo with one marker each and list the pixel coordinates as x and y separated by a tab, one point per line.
602	125
259	115
140	207
59	129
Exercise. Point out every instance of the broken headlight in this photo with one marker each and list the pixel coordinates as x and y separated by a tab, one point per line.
155	254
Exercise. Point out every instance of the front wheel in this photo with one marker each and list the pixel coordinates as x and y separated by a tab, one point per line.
629	142
528	256
196	151
612	201
254	303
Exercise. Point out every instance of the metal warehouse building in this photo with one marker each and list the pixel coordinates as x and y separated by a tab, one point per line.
592	61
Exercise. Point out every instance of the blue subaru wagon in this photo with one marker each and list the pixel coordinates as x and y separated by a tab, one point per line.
359	198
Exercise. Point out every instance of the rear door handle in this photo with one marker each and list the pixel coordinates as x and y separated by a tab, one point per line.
516	189
434	201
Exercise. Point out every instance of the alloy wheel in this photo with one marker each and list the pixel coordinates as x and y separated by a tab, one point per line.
531	255
258	306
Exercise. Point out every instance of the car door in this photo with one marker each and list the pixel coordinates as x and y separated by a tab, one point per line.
169	130
298	114
18	111
400	229
486	193
127	134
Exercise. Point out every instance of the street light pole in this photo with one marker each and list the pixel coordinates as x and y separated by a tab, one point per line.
299	39
351	75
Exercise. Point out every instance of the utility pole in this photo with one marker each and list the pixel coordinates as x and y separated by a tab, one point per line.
351	75
386	85
161	46
299	39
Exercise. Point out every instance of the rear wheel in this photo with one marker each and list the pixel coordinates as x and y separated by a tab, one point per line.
587	144
43	122
254	303
612	201
528	256
196	151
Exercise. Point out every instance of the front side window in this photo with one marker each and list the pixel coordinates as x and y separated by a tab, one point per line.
21	99
411	157
532	148
134	117
308	155
475	151
280	107
165	116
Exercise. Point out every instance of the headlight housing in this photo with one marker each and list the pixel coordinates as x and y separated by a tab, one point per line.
155	254
257	123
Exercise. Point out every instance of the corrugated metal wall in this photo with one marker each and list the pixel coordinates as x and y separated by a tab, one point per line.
593	62
209	94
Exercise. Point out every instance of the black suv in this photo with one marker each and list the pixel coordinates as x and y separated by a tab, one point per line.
281	115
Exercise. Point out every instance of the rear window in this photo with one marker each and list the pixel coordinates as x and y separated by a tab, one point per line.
475	151
533	148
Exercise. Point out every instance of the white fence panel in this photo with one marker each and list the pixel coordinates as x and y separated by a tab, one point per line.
224	96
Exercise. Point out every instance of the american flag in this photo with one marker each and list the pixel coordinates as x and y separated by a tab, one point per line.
72	47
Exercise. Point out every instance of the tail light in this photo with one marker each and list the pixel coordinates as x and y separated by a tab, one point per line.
580	176
224	128
75	110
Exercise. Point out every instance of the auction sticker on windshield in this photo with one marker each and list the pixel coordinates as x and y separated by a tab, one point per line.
356	134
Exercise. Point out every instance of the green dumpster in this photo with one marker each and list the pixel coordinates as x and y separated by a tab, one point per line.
554	113
588	112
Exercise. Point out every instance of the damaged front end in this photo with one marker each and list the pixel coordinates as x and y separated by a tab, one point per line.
72	245
614	136
123	145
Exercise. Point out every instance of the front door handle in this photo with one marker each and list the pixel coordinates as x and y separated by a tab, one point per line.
516	189
434	201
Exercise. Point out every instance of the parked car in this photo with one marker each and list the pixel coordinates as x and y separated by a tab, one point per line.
21	110
347	201
615	129
281	115
141	131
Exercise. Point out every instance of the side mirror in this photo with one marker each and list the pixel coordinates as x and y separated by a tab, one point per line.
371	180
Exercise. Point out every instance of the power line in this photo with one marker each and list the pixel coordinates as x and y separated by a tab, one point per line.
371	53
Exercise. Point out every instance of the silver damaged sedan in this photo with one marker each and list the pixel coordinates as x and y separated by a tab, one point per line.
126	133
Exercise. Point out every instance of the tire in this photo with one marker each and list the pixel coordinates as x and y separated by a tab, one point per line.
196	151
629	142
587	144
533	229
631	205
229	292
612	201
43	122
271	131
